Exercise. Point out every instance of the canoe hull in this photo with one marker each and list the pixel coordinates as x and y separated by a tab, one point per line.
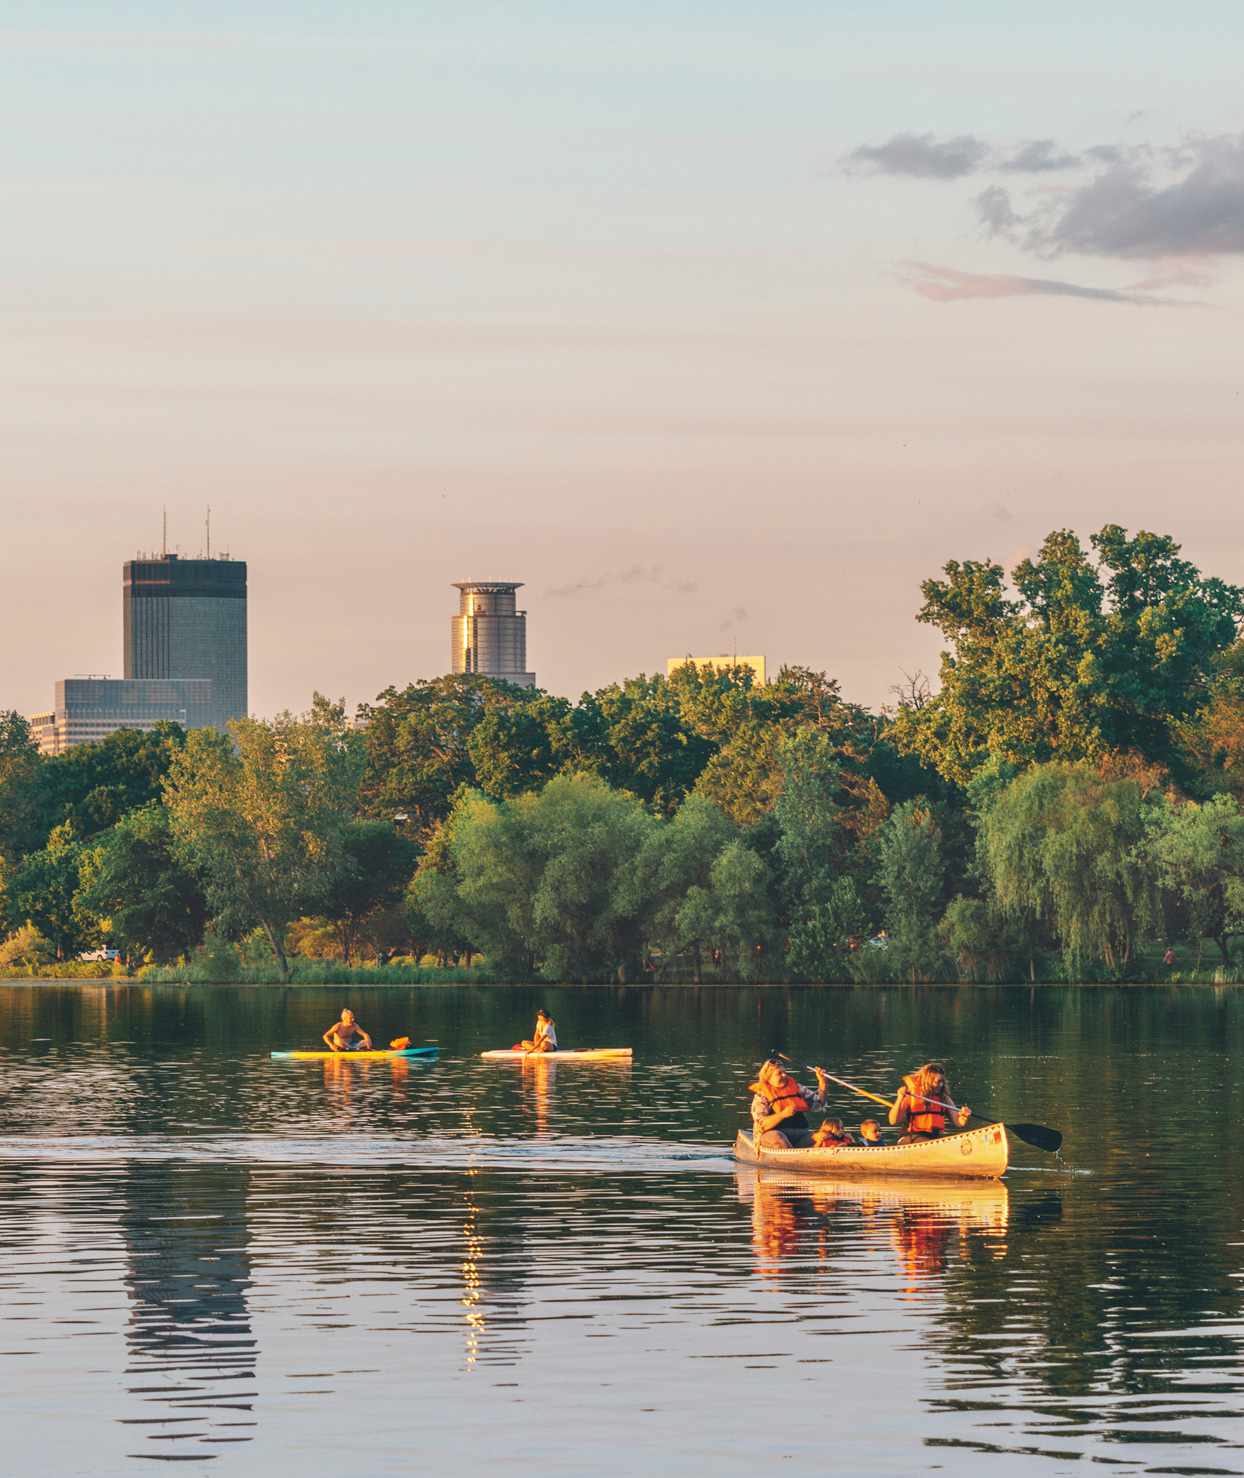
586	1054
976	1154
388	1054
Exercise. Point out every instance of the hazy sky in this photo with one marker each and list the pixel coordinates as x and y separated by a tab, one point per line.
720	326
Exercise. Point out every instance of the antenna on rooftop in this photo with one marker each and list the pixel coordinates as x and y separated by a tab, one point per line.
164	532
208	523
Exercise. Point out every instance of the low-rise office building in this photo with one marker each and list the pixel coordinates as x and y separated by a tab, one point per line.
718	664
91	708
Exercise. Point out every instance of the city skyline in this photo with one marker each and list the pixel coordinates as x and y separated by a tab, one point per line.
730	337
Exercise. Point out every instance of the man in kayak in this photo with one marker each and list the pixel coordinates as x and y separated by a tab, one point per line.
780	1107
924	1108
545	1039
347	1035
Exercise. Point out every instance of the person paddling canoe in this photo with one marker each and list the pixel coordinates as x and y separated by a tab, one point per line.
780	1107
924	1108
346	1035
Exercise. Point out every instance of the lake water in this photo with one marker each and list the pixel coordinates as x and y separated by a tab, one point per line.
351	1268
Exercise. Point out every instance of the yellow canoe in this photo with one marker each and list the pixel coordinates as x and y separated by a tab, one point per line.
976	1154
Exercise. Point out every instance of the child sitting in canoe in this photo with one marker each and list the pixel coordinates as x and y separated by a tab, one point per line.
346	1035
830	1133
870	1132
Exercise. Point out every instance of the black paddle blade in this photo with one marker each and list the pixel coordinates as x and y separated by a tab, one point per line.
1039	1135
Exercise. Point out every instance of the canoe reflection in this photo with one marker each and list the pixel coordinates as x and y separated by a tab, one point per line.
928	1221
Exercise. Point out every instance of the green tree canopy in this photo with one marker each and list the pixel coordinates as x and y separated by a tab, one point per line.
1086	656
1199	854
371	867
40	890
910	869
543	882
144	901
1063	846
260	816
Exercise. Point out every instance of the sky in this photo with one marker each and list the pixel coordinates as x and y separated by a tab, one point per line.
720	327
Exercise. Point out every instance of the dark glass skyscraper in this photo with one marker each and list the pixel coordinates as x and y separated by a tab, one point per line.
186	618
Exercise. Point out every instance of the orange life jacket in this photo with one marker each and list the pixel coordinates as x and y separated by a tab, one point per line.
924	1116
786	1093
829	1141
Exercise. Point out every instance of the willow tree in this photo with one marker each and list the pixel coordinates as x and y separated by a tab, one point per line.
1199	854
1063	846
911	871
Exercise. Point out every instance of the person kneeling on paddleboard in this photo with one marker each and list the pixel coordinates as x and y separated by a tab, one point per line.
924	1108
780	1107
347	1035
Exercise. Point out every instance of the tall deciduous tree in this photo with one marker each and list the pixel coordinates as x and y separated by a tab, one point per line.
261	816
369	872
20	831
40	890
1084	657
142	897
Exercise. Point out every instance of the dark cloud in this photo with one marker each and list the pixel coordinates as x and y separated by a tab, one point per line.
948	285
921	156
996	213
1129	210
1039	156
633	575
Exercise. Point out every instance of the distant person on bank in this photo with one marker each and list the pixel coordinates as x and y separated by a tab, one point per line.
545	1037
780	1107
346	1035
924	1108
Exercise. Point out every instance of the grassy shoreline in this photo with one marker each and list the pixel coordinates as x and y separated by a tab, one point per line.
397	976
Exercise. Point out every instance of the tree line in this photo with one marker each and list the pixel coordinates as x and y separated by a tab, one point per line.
1067	800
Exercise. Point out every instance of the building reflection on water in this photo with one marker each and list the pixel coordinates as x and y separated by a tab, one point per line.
190	1345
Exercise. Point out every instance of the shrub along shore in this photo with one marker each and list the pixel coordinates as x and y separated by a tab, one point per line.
1065	805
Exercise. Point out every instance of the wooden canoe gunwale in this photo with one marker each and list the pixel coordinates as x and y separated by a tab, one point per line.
974	1154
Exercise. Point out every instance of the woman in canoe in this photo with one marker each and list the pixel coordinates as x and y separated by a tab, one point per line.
780	1107
545	1038
924	1108
346	1035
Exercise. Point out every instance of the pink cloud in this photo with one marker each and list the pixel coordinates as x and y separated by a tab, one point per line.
949	285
